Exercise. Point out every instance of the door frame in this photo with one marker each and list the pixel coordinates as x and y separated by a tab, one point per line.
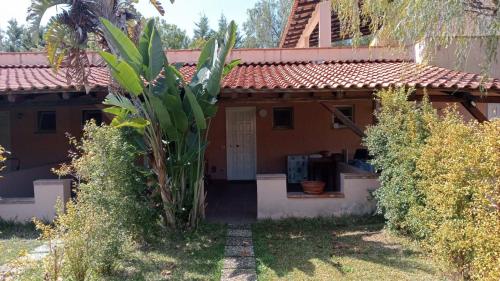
241	108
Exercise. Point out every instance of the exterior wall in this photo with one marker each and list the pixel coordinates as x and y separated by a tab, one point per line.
33	148
246	55
33	152
440	106
312	132
42	206
474	63
273	202
20	183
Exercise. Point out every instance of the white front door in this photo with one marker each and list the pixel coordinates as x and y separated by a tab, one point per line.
241	143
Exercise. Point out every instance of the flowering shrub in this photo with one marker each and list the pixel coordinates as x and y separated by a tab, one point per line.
460	181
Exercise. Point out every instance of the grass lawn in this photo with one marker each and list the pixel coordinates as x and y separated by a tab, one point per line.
186	256
16	239
337	249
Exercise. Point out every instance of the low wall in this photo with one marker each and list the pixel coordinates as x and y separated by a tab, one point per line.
274	202
41	206
17	184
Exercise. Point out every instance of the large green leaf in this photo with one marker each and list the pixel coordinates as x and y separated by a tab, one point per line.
123	73
161	112
137	123
156	55
120	42
211	64
209	108
213	84
119	101
117	111
199	117
179	116
144	42
208	53
228	67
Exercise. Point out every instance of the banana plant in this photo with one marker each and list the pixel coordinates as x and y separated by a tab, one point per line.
170	113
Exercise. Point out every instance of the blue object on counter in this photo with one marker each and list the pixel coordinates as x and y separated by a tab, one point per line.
362	165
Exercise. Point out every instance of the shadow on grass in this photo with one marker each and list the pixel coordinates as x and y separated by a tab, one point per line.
294	244
15	230
177	256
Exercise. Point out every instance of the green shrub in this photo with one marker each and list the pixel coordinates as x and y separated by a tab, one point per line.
85	243
460	180
395	143
105	164
110	209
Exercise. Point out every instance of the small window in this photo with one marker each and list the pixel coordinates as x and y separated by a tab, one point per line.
348	111
46	122
283	118
88	115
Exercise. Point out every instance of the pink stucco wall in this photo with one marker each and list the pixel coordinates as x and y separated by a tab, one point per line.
34	148
35	153
312	133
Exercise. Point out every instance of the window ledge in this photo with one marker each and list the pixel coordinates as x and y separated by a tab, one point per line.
21	200
301	195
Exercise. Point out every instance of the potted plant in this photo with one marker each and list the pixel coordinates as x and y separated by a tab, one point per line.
313	187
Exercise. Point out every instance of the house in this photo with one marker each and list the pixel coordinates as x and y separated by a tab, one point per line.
280	111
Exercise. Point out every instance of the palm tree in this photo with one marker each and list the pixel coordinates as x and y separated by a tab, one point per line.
70	31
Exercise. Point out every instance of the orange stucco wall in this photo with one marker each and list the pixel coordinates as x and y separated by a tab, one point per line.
441	106
34	148
312	132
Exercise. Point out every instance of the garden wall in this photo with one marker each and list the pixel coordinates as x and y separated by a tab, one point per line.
42	205
355	198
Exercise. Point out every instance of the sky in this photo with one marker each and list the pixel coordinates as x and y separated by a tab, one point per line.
183	13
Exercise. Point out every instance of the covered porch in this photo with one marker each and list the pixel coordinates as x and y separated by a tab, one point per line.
257	131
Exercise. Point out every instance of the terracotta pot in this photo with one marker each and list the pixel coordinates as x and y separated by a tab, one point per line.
313	187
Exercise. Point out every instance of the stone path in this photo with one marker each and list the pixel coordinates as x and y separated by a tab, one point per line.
10	270
239	261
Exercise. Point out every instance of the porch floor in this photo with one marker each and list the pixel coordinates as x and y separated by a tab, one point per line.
232	202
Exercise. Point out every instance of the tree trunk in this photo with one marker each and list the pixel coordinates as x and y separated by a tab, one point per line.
160	169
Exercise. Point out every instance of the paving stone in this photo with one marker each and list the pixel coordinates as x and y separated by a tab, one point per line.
39	252
239	275
239	241
240	262
239	232
238	226
238	251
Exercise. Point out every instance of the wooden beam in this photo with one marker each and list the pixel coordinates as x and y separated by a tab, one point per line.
450	98
65	103
256	100
55	91
345	120
474	111
468	101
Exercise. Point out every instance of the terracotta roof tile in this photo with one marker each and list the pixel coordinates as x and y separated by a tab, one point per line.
296	75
